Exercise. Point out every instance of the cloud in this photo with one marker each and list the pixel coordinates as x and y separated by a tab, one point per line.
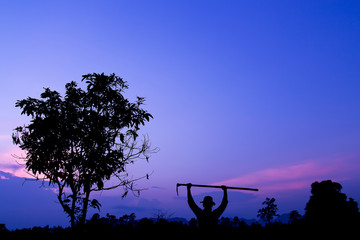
295	176
3	177
10	162
157	187
14	169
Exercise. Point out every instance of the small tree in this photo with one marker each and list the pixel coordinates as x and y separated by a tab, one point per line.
79	142
268	212
294	217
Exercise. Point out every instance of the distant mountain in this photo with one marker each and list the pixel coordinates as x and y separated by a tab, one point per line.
178	219
248	221
174	219
283	218
185	221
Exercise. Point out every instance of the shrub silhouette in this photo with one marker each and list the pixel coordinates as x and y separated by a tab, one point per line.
328	207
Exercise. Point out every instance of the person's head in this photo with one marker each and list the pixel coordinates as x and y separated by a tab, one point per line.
208	202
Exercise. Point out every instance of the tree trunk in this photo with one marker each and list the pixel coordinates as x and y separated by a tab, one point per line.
85	204
73	205
72	211
69	211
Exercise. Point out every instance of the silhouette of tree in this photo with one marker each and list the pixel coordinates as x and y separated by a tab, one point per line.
329	207
79	142
3	228
162	215
127	219
236	221
294	217
268	212
225	222
193	223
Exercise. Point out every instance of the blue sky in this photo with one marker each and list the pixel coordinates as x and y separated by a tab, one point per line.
249	93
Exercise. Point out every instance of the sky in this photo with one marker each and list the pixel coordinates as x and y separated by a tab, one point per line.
254	93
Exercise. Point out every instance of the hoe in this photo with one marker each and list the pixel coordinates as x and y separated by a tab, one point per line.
212	186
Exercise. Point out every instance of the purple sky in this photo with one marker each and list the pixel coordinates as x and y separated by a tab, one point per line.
244	93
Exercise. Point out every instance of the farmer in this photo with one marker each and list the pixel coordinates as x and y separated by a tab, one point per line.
207	218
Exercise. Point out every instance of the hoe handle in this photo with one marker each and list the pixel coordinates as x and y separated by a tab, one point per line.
213	186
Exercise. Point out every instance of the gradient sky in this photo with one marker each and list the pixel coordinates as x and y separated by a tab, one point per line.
244	93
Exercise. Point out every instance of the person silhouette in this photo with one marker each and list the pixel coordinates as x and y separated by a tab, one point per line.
207	218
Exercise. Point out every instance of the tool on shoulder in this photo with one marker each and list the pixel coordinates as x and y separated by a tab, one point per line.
213	186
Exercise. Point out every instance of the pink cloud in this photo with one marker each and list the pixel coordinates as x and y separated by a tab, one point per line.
296	176
12	165
3	177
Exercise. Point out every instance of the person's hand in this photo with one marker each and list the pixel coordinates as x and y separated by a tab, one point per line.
223	187
188	186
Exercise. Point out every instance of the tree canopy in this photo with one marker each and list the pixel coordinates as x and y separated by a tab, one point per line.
268	212
80	141
328	206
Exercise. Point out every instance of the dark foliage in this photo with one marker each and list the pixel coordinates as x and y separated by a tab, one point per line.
268	212
329	208
80	141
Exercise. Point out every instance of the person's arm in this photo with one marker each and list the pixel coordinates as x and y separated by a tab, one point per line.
223	204
191	201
